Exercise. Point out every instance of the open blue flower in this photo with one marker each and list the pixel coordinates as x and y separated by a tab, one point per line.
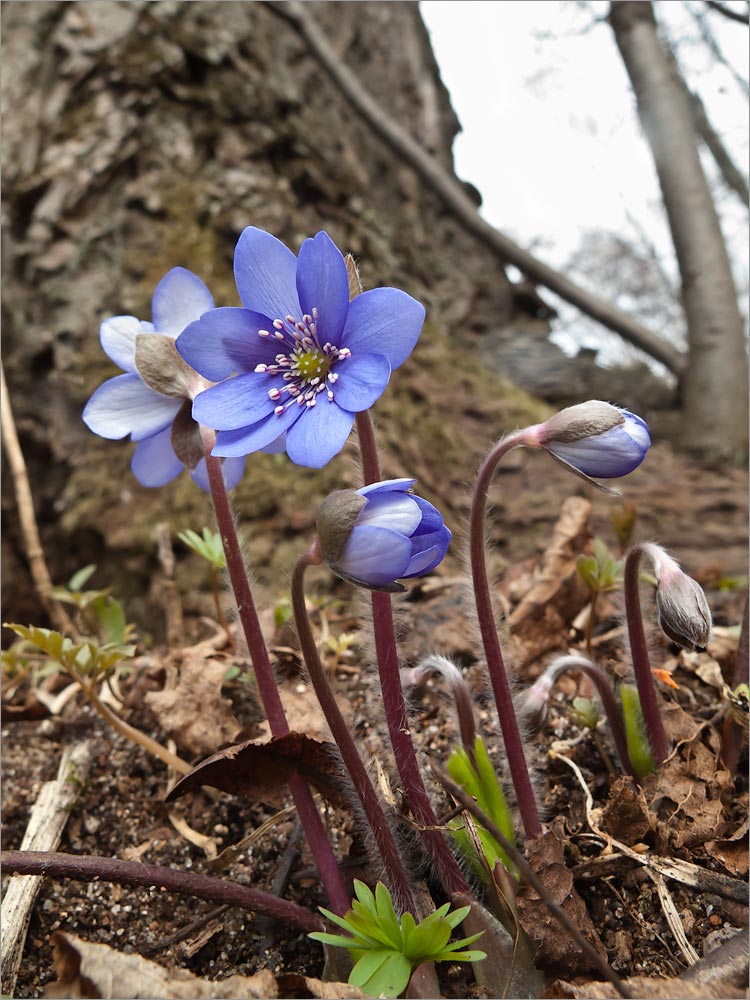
594	439
306	359
380	534
152	401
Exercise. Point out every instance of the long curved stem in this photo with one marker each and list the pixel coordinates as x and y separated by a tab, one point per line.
394	703
657	737
88	868
381	831
269	692
485	614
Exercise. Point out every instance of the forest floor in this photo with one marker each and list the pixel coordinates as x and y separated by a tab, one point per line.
649	924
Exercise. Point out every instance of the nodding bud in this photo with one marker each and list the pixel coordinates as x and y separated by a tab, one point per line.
593	439
382	533
682	607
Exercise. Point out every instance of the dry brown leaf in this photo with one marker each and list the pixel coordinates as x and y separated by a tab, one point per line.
194	713
557	593
292	984
95	970
626	815
558	952
261	771
303	712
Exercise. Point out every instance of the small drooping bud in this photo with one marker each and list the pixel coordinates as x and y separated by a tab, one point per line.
380	534
682	607
593	439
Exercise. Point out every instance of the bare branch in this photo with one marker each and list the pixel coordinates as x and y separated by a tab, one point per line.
457	201
733	176
733	15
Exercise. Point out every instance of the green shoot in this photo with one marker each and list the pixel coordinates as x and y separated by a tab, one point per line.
585	713
478	778
98	611
210	546
601	573
635	731
386	949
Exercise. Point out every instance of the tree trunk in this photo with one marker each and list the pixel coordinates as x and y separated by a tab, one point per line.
715	384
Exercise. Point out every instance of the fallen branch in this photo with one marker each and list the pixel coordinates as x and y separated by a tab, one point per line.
87	868
46	824
455	199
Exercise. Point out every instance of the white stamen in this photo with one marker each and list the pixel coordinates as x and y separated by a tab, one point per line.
274	393
315	312
264	333
278	324
278	335
260	369
279	410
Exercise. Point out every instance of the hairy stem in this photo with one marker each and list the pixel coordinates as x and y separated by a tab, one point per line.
471	806
269	692
644	680
394	703
381	831
87	868
485	615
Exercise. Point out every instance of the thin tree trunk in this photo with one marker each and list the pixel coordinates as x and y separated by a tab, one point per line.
715	383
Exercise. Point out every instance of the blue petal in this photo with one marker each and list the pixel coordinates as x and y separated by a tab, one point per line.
117	335
125	405
245	440
319	434
383	321
154	460
387	486
178	299
375	556
225	341
432	519
265	272
396	511
362	379
435	543
322	282
238	402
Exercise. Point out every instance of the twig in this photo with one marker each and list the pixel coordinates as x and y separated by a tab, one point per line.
733	15
32	542
46	824
458	203
170	597
87	868
279	884
529	874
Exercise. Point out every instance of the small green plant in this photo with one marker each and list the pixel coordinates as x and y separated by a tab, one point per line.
98	612
601	573
209	545
478	778
386	949
635	731
87	658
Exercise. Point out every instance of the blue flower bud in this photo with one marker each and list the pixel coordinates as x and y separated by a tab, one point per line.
380	534
594	438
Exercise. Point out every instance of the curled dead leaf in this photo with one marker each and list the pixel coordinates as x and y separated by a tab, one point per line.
261	771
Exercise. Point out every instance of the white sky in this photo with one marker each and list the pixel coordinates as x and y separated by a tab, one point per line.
550	133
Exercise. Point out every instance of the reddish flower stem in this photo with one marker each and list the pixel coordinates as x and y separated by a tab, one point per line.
86	868
644	679
393	698
381	831
519	770
267	687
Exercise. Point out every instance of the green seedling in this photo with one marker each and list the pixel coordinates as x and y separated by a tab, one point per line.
585	713
635	731
601	573
87	658
387	948
98	611
478	778
210	547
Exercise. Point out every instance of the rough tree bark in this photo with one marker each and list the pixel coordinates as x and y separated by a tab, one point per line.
715	383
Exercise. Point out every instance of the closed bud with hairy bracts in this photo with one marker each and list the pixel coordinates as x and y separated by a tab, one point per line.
684	614
380	534
593	439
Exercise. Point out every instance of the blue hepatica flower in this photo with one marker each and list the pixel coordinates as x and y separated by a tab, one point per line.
152	401
380	534
594	439
306	359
